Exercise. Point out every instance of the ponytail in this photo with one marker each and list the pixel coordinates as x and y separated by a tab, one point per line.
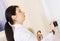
9	32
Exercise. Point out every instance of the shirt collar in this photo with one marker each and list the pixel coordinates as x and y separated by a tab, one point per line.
17	26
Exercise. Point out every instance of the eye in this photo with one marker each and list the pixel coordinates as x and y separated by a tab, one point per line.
19	10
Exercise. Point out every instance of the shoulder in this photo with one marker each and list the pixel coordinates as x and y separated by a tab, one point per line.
24	34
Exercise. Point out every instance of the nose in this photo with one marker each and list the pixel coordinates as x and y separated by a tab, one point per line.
23	13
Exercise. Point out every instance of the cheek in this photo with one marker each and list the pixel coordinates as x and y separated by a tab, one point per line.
20	17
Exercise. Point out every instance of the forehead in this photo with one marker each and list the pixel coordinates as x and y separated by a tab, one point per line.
17	8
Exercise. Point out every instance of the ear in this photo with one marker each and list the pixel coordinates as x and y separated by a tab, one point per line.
13	17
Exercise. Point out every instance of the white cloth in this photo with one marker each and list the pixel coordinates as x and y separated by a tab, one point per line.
48	37
57	35
52	37
22	34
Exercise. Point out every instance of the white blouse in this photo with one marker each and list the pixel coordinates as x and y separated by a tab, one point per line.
22	34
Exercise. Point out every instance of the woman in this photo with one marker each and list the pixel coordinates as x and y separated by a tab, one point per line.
15	18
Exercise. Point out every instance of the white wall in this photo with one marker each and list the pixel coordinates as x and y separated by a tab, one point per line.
52	10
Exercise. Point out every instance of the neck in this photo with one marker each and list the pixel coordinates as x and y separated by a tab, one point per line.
18	23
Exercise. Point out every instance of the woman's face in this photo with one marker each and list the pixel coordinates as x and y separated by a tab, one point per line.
20	16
